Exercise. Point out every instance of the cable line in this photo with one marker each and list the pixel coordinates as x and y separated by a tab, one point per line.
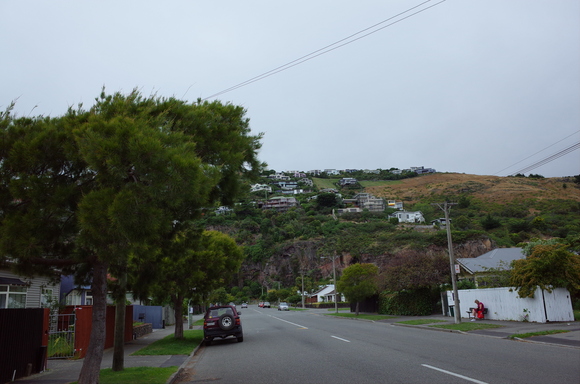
328	48
549	159
541	150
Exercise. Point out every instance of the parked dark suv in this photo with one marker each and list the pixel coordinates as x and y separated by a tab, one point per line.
222	321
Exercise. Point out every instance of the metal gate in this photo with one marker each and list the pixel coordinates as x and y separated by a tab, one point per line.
61	337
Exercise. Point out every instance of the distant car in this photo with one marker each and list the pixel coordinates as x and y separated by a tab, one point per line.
267	305
283	307
244	305
222	321
261	304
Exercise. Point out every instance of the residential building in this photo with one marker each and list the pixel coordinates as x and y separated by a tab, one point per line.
280	203
395	204
26	292
366	201
409	217
347	181
260	187
477	267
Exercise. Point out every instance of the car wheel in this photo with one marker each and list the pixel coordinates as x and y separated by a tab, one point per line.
226	322
207	341
240	339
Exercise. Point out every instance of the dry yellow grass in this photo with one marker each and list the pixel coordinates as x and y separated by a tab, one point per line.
490	188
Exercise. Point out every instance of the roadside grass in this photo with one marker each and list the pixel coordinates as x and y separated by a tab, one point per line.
541	333
171	346
136	375
421	321
361	316
340	309
466	327
298	309
577	315
198	322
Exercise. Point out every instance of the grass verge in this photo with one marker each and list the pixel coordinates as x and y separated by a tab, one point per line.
340	309
421	321
466	327
136	375
542	333
171	346
361	316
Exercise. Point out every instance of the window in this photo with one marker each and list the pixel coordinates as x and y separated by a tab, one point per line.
46	298
73	298
89	298
12	296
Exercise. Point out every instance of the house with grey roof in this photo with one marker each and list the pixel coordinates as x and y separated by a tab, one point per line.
478	267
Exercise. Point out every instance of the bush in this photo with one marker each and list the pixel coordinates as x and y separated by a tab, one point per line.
407	303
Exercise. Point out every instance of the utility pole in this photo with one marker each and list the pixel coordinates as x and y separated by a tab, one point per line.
446	207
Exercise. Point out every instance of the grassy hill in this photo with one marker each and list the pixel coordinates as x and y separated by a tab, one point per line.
493	188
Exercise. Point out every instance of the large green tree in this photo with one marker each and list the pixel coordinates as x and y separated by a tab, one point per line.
95	190
358	282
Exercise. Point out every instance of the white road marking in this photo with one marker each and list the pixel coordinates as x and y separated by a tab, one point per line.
340	338
289	322
455	374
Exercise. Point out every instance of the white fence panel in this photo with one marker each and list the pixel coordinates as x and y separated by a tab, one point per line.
502	304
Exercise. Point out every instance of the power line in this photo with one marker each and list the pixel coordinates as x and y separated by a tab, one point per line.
497	173
549	159
331	47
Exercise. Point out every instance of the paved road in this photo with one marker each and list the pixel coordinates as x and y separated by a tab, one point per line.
298	347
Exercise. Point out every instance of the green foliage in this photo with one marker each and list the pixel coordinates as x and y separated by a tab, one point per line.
406	303
358	282
548	266
489	223
411	270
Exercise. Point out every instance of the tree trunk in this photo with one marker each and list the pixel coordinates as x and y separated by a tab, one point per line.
178	308
120	308
92	365
356	310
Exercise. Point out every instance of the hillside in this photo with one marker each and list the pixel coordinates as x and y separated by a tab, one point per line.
491	188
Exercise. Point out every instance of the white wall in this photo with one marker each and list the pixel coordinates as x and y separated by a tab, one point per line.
502	304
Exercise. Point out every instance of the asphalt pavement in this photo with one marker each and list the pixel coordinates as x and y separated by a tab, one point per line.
66	371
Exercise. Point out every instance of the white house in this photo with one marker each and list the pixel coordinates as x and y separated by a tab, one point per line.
26	292
325	294
260	187
409	217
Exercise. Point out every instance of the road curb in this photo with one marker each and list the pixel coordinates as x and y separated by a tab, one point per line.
176	374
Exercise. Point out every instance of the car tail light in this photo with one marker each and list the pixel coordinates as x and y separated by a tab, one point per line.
238	321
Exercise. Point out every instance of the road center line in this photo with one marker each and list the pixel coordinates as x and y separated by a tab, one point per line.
455	374
289	322
340	338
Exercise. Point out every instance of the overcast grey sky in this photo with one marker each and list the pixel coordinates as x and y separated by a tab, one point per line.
484	87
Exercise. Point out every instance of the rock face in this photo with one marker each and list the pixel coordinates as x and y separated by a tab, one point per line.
286	265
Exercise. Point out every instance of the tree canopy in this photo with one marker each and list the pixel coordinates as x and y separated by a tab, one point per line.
358	282
93	191
550	265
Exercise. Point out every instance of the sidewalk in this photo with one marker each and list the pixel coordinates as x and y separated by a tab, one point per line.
508	328
66	371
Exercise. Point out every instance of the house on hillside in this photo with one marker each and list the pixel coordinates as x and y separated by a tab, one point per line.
395	204
26	292
408	216
474	269
280	203
365	201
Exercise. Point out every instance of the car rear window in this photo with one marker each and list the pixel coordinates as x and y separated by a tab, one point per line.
220	311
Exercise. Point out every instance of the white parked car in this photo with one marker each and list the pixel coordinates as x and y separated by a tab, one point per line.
283	307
